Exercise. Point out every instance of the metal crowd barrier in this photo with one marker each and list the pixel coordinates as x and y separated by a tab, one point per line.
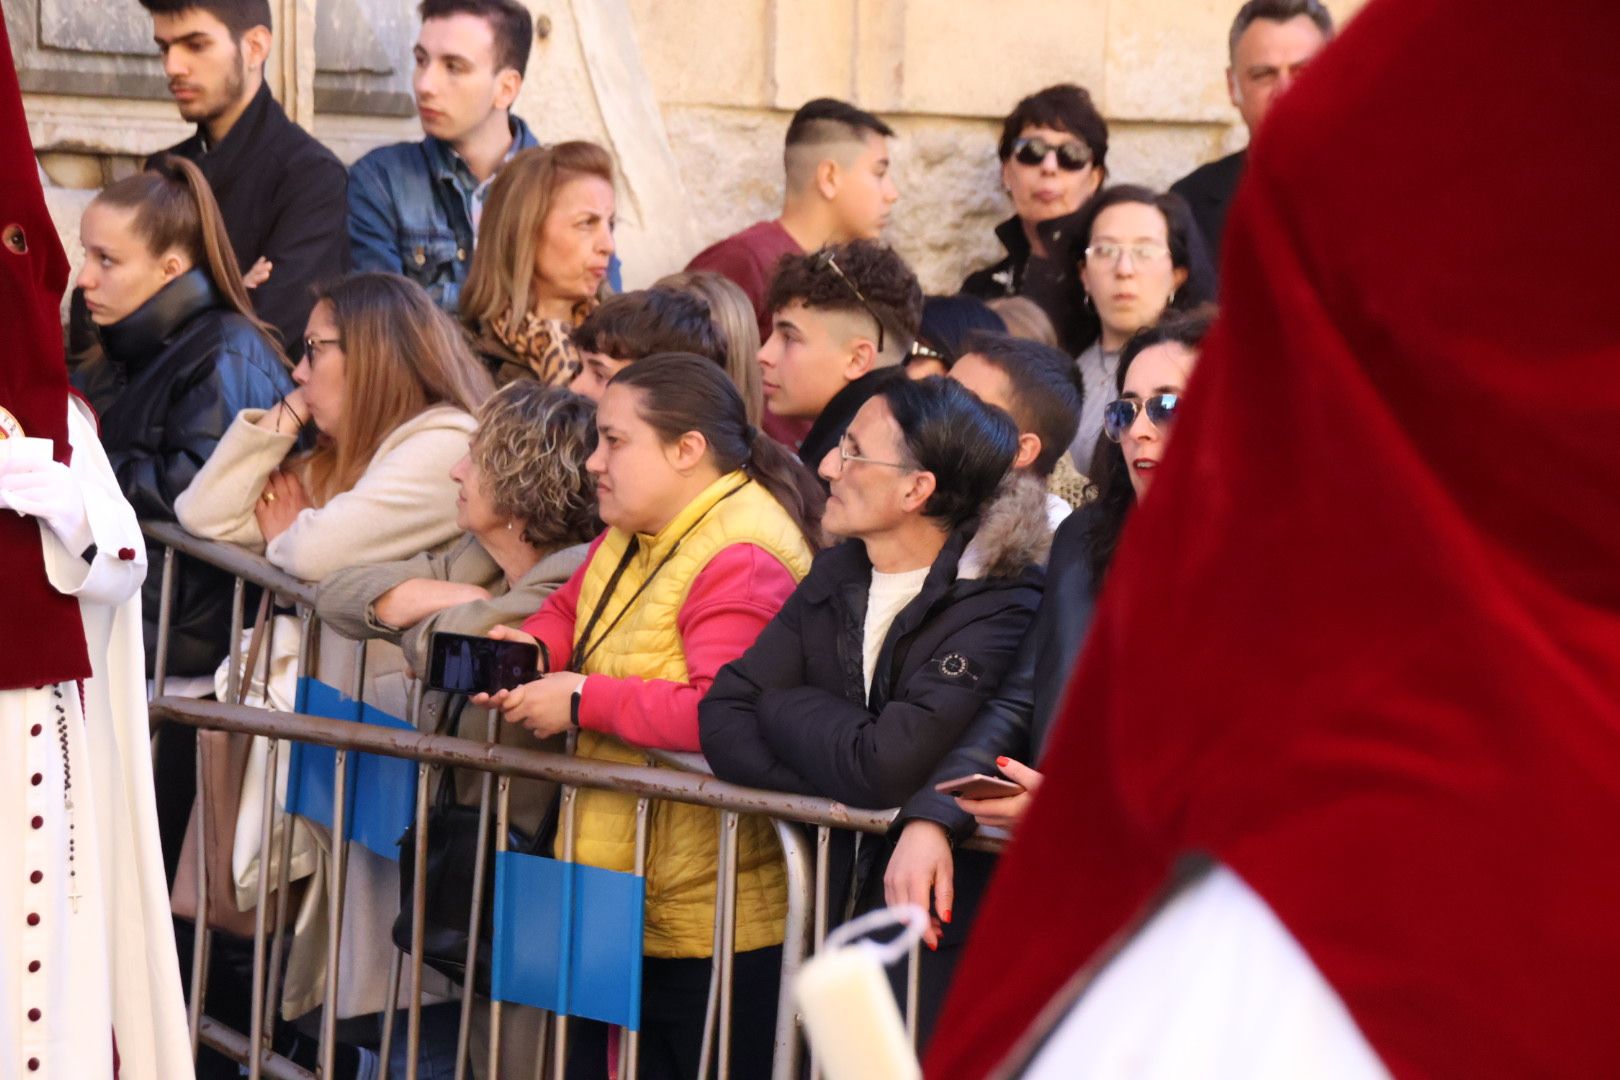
803	826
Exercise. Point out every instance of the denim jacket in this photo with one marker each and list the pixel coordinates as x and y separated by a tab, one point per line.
410	213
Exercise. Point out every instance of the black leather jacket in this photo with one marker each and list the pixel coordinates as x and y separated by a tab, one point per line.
1015	722
170	379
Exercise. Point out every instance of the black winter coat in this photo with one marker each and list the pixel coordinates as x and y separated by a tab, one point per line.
792	714
1208	190
284	197
1053	283
1016	720
170	379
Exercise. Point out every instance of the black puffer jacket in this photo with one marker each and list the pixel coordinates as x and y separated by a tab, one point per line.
171	378
792	714
1016	720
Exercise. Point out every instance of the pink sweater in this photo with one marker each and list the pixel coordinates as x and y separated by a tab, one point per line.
729	603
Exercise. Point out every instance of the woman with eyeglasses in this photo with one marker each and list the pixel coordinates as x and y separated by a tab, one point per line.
389	387
1009	734
886	652
1053	151
1141	257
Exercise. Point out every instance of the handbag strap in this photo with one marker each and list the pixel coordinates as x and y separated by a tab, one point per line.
255	642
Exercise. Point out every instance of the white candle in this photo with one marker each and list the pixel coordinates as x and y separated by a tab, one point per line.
852	1019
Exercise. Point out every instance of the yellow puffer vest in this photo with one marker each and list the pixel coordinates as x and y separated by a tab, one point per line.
682	840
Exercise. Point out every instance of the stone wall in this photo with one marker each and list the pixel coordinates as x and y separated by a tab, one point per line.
692	96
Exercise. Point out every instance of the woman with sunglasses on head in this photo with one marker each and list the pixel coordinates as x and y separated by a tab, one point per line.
1053	150
1139	256
1010	732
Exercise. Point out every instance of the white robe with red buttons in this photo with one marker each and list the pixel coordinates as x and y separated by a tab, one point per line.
70	976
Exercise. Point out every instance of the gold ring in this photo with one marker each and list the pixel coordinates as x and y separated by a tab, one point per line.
269	496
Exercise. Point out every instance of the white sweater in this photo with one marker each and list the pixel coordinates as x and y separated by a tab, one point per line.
402	505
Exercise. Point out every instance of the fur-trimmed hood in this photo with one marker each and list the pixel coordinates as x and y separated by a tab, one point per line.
1014	533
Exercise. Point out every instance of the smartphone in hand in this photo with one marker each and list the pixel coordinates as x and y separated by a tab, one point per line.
464	664
979	786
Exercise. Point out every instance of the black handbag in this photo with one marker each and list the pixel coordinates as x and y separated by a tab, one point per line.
452	854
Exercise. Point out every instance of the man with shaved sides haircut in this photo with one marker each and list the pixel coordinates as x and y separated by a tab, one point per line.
280	192
838	188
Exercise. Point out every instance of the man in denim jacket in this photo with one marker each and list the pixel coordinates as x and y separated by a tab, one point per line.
414	207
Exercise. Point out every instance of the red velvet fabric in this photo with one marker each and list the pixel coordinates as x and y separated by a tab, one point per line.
1362	641
41	637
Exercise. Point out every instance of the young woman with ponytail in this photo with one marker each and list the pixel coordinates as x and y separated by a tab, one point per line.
181	354
710	527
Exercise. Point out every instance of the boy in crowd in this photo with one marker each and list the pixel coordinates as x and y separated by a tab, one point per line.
837	188
842	320
414	207
635	325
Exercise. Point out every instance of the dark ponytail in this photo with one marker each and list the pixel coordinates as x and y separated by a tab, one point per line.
682	392
175	210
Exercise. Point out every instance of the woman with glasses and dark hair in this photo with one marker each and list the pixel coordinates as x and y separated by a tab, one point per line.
887	651
1010	732
1053	150
1139	256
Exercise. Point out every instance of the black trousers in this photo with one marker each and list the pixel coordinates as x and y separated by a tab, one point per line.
674	998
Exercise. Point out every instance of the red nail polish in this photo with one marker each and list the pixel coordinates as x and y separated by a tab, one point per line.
933	946
1002	762
946	915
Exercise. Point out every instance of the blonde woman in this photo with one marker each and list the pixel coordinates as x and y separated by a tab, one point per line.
733	315
545	245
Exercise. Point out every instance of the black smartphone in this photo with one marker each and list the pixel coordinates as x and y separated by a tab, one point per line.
463	664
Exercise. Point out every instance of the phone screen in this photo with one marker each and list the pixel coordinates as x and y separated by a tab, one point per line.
463	664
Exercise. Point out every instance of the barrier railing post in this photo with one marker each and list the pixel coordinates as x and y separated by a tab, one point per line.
334	942
385	1051
413	1029
234	674
239	683
475	922
503	823
160	663
819	934
727	899
559	1047
272	996
200	936
913	982
796	932
632	1039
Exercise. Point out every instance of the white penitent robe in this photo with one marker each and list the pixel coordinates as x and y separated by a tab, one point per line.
86	943
1214	987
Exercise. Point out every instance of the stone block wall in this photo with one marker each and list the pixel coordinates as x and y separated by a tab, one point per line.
693	98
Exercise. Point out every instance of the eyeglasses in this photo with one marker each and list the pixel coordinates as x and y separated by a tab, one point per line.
1106	252
1072	156
845	456
312	345
1119	415
826	261
918	349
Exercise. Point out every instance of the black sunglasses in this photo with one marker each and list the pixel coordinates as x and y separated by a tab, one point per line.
1072	156
1119	415
825	261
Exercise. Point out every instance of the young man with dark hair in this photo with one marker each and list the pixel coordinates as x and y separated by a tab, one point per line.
838	188
414	207
281	192
1036	385
842	321
1271	41
635	325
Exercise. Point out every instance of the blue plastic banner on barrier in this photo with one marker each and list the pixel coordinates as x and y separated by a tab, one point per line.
380	792
568	938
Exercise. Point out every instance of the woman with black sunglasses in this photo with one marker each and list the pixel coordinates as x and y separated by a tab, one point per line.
1010	731
1053	147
